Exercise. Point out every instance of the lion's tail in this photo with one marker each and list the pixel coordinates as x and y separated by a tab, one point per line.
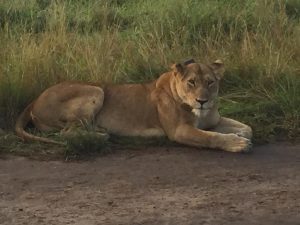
21	123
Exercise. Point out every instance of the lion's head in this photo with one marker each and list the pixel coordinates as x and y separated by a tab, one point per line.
197	84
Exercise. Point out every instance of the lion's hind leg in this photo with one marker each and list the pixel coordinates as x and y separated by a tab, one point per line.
80	112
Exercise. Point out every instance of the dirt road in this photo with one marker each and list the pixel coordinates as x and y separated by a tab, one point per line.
155	186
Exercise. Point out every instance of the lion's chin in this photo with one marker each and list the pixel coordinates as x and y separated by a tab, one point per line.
200	112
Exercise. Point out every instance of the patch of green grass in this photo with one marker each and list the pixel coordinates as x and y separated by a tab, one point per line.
11	144
78	145
82	143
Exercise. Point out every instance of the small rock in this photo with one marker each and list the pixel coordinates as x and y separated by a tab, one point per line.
110	202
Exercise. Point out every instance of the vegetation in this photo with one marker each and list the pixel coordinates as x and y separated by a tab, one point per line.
43	42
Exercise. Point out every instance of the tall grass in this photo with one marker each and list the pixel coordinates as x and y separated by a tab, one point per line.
46	41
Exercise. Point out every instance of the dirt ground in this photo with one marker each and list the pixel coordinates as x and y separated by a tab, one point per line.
164	185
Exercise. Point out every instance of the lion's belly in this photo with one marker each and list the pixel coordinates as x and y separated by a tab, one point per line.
139	132
127	126
129	111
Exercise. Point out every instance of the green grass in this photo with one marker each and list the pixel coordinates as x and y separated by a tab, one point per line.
46	41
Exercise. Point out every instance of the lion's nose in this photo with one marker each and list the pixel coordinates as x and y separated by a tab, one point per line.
201	101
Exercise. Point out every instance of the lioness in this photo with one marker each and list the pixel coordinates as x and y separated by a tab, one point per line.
181	104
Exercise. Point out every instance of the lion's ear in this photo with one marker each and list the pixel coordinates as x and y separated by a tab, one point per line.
177	68
218	68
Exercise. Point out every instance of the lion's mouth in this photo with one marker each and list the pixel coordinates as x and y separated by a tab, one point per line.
202	108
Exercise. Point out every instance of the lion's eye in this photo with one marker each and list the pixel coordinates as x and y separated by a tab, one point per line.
191	82
210	82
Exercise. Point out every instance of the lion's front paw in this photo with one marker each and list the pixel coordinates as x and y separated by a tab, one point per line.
235	143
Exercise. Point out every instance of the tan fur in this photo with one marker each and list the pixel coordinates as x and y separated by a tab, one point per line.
170	105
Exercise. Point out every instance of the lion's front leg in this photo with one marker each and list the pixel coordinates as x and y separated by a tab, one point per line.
178	125
189	135
230	126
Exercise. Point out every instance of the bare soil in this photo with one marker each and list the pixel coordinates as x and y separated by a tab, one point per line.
165	185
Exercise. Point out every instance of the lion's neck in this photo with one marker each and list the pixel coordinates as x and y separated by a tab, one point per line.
167	82
173	89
